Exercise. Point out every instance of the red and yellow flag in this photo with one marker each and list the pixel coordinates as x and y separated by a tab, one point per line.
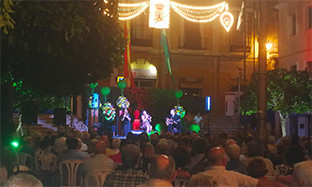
127	57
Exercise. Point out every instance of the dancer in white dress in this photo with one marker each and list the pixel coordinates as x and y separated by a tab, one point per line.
146	122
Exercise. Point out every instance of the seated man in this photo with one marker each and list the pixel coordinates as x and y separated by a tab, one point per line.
128	175
99	162
162	172
216	171
73	151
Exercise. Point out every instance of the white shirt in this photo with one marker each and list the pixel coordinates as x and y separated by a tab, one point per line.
228	178
99	162
303	172
197	119
156	183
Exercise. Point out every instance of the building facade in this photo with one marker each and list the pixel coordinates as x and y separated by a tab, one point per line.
206	60
295	35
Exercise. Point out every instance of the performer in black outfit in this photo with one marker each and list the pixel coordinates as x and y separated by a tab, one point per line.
125	122
173	122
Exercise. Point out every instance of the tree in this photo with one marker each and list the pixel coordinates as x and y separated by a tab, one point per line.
57	47
6	21
288	92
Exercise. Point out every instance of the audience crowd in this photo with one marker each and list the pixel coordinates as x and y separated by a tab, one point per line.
188	159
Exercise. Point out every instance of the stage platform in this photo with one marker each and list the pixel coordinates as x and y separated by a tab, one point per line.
136	132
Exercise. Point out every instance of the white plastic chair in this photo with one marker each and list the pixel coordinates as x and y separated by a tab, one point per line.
95	178
180	182
26	159
71	171
45	162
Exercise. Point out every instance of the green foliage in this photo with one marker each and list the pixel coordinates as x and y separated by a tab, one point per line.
287	92
6	21
57	47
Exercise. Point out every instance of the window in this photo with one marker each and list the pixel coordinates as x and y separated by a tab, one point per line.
237	37
293	68
309	67
141	34
309	17
293	24
192	36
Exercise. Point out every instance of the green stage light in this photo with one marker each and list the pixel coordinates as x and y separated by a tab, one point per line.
195	128
15	144
158	128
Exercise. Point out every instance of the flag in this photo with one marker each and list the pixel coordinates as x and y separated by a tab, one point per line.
127	58
240	25
164	43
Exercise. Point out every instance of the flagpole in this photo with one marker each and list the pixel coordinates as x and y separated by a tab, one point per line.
254	36
244	35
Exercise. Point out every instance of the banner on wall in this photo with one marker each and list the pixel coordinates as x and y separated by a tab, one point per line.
159	14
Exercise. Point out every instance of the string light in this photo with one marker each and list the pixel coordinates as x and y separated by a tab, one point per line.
128	11
199	14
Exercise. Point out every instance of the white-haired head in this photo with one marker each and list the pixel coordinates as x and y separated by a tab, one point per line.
23	180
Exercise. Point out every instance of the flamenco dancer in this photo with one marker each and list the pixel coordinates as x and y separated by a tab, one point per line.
146	122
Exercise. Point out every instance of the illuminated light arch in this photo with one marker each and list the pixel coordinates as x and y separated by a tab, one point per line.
160	11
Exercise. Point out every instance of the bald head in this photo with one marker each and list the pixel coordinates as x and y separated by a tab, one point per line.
217	156
162	167
100	147
228	143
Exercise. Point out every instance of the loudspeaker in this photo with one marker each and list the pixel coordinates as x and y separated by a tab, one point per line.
29	113
59	116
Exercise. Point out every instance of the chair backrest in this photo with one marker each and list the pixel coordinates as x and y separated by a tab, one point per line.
71	167
181	182
46	162
26	159
95	178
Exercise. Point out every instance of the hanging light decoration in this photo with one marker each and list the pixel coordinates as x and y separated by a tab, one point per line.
128	11
197	13
227	20
158	11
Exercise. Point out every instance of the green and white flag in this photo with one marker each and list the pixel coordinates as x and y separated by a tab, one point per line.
164	42
240	25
